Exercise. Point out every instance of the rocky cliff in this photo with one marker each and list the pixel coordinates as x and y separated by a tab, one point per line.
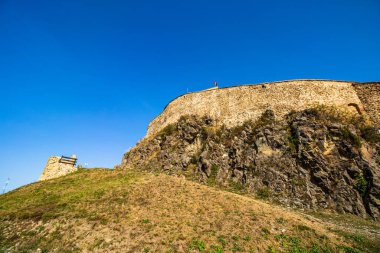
315	158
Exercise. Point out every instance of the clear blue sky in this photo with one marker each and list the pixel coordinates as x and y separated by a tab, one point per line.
87	76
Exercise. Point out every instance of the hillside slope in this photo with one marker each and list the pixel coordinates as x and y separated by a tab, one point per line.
113	211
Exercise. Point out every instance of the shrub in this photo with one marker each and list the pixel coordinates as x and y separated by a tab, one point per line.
334	114
214	172
303	228
210	132
236	186
293	144
370	134
265	231
351	137
194	159
168	130
361	185
265	119
263	193
238	129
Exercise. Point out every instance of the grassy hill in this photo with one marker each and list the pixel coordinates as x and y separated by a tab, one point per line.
101	210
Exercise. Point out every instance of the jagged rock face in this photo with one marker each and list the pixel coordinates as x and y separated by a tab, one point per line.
310	159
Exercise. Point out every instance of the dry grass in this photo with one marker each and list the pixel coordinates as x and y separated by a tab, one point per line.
109	211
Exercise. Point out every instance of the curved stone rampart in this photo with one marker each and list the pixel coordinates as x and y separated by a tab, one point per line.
369	94
234	105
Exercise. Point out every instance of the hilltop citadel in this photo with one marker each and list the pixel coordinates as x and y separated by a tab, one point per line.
232	106
291	141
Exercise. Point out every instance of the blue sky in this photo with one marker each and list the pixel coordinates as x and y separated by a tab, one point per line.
87	76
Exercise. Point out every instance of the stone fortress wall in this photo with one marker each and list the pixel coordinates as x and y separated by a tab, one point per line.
234	105
369	94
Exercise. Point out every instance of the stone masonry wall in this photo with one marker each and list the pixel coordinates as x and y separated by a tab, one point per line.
234	105
54	169
369	94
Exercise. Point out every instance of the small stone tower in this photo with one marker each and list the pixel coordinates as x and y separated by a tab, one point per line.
58	166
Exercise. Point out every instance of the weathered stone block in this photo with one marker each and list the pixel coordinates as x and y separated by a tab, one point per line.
54	168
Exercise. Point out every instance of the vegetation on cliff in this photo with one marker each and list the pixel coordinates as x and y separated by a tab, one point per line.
319	158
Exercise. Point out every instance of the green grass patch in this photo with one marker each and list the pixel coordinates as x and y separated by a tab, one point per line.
197	244
361	242
64	196
212	178
236	186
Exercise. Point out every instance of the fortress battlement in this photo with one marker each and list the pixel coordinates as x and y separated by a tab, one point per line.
234	105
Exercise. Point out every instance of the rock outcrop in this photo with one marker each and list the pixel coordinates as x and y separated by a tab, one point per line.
55	168
315	158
